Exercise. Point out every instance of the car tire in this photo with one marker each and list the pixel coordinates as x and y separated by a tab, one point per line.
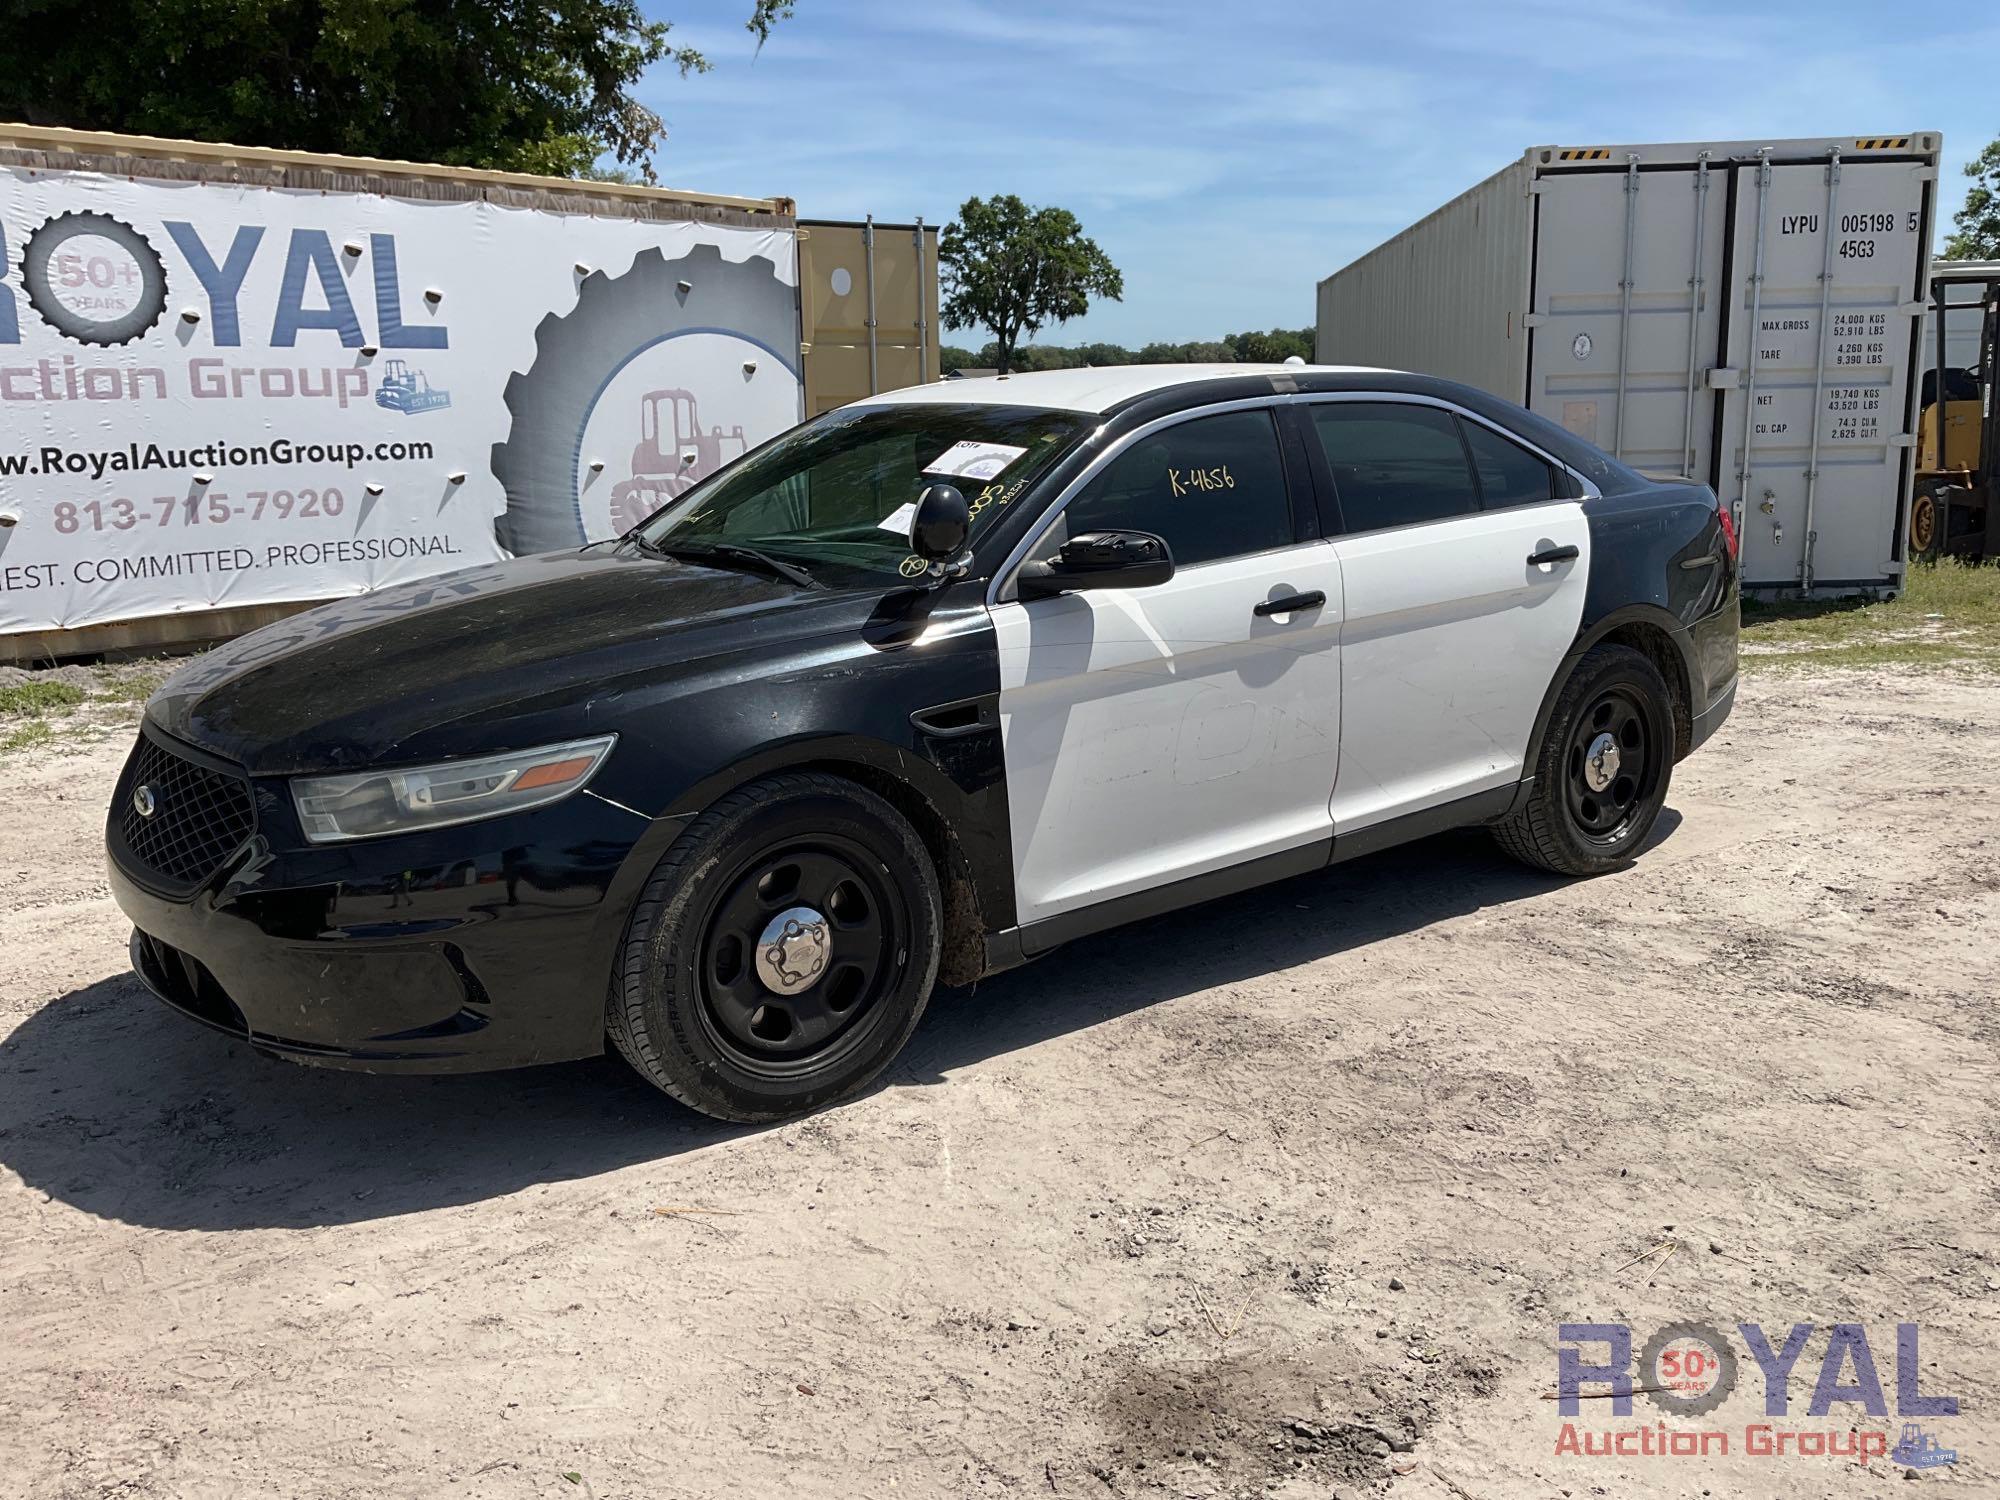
736	1006
1601	778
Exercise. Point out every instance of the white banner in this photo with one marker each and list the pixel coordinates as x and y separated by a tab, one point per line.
216	395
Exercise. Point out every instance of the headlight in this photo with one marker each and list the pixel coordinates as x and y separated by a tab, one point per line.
334	808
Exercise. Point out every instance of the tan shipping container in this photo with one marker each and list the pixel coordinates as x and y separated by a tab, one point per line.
868	308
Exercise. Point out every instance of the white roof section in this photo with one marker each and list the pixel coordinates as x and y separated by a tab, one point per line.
1089	390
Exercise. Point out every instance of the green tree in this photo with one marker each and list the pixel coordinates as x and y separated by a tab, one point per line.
1272	348
505	84
1100	355
1978	236
1011	269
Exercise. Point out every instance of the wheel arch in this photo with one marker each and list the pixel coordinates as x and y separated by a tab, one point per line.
1653	633
918	790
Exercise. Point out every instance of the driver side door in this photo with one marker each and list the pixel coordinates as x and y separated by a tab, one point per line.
1160	734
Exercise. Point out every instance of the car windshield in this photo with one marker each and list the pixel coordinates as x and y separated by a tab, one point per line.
824	497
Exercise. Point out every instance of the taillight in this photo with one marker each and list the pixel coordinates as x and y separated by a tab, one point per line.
1728	530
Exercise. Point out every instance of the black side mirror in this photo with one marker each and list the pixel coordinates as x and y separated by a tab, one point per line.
941	525
1099	560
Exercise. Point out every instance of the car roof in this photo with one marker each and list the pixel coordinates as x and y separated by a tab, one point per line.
1088	390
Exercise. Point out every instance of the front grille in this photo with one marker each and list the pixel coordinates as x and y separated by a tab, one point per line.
199	816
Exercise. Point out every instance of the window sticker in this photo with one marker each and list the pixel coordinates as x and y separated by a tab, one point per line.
900	519
971	460
996	496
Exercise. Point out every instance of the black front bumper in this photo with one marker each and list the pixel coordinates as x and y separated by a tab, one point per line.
488	945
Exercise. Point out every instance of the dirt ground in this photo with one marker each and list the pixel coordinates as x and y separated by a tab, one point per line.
1287	1196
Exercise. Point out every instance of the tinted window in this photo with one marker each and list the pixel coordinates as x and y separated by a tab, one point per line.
1394	465
1213	487
1508	473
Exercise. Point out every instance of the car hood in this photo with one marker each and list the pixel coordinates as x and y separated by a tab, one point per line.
377	678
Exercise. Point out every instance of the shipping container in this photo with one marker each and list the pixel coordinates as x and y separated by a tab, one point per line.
236	380
868	304
1744	313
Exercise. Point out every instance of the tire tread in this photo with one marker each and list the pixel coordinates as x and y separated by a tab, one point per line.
625	1020
1533	832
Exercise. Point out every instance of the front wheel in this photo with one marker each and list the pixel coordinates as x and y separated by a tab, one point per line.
1926	513
782	951
1602	775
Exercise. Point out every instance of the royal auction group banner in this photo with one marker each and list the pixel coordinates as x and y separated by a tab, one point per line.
216	394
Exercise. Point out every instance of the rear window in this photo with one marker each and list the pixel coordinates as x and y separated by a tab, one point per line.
1508	473
1394	464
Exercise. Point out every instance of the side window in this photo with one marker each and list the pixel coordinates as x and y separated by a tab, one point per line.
1394	464
1508	473
1213	487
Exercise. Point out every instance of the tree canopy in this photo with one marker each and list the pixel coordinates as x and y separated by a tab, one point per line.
1014	269
1272	347
1978	236
504	84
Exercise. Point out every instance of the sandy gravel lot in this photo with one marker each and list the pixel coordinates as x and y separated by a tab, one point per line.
1286	1196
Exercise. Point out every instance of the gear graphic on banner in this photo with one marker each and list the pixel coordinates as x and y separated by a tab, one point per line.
648	385
93	278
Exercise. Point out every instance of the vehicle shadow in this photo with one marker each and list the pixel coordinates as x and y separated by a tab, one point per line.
113	1105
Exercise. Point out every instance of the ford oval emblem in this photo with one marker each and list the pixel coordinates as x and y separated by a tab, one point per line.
144	803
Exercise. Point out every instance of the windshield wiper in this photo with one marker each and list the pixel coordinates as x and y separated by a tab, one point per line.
732	552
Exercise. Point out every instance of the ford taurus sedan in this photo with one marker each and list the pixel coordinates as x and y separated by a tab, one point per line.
921	689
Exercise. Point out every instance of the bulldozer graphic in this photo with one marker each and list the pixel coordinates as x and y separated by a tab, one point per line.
408	391
1917	1449
672	455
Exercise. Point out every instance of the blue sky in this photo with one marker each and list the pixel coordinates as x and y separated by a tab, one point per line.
1229	155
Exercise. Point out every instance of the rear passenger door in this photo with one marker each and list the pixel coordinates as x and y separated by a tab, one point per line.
1453	630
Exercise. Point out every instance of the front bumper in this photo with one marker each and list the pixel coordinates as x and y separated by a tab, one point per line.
488	945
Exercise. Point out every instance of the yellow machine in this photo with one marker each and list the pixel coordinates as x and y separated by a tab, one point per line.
1961	438
1955	505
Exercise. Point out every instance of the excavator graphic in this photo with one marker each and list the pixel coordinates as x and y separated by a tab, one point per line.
673	453
408	391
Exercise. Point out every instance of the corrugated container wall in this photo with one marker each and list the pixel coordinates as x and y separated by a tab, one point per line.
1743	313
1421	302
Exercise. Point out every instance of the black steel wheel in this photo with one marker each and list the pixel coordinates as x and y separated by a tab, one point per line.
1601	778
781	952
1610	766
797	950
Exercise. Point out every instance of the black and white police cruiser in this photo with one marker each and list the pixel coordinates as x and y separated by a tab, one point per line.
921	689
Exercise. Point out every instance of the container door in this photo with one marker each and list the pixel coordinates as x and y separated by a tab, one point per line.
1820	393
1626	372
833	312
843	266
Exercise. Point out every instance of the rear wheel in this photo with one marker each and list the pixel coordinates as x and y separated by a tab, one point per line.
1602	775
782	951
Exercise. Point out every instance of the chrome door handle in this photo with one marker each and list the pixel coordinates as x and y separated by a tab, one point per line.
1552	555
1286	604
